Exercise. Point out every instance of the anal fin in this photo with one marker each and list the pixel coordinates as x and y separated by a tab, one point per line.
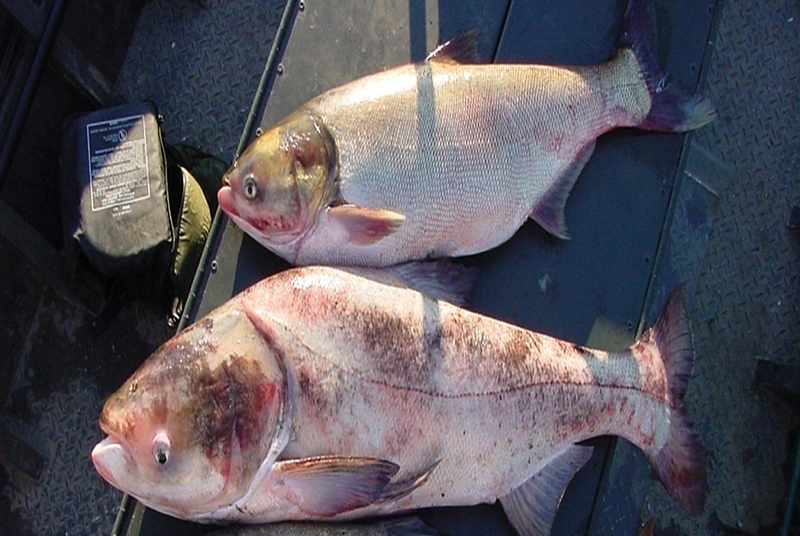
531	508
549	211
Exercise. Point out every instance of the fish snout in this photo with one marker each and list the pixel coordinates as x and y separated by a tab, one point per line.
226	201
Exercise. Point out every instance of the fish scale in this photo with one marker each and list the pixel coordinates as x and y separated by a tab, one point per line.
477	169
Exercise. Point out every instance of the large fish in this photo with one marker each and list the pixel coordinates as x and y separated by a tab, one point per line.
331	394
441	158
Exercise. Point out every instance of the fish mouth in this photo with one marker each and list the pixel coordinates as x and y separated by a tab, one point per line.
276	225
107	454
225	198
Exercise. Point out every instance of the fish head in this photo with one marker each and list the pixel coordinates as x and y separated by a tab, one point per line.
276	189
189	431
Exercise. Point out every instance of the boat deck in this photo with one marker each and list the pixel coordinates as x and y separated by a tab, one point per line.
709	209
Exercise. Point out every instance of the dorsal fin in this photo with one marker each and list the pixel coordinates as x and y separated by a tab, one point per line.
461	49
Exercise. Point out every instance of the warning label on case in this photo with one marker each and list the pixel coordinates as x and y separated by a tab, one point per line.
118	162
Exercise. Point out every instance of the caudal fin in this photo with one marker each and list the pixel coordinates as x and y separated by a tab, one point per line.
673	107
679	463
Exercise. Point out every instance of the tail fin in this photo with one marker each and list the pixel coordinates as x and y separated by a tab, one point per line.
679	463
673	108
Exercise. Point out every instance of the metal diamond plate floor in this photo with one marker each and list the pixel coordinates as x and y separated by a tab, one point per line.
746	304
196	61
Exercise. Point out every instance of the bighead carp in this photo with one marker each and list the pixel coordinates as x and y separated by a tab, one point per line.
331	394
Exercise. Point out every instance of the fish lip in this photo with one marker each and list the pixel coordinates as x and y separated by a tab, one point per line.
102	450
112	438
111	429
225	200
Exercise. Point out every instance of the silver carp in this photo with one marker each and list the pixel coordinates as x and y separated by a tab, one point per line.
323	393
444	158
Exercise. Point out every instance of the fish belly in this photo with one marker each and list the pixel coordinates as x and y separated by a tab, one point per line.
463	152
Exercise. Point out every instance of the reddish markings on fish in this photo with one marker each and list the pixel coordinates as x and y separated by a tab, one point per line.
279	223
234	397
225	469
158	409
145	388
305	150
394	343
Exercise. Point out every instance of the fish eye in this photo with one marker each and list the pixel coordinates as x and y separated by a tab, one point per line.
250	188
161	448
162	456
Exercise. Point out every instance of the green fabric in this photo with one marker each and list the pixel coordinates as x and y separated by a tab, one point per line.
206	169
195	222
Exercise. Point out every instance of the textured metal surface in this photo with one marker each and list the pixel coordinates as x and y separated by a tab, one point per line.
59	362
745	301
62	367
618	504
65	497
597	283
371	39
200	64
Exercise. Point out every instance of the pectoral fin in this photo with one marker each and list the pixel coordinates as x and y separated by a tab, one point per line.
532	506
549	211
365	226
329	485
